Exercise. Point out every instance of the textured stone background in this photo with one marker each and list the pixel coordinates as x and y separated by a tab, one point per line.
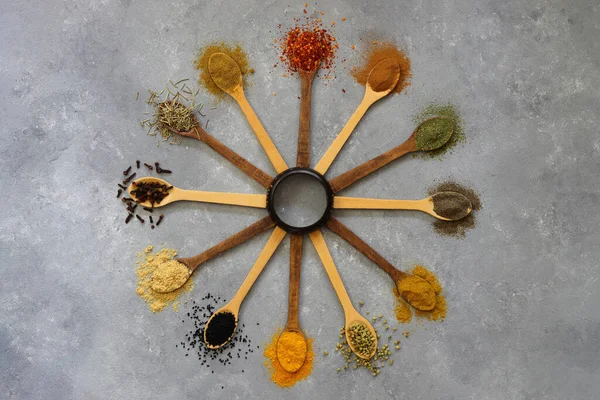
522	288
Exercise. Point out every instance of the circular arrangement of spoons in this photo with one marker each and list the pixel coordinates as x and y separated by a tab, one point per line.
360	334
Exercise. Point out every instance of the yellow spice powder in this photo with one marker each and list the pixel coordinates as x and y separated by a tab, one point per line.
147	264
417	291
404	312
279	375
233	51
169	276
291	350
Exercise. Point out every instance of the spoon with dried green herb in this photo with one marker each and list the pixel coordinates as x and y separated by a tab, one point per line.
446	206
431	134
154	192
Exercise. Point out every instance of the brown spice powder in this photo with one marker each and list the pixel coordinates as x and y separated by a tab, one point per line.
233	51
457	228
404	311
378	52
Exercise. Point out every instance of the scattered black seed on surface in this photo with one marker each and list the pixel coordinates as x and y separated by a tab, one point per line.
119	192
151	219
129	178
193	343
160	218
126	172
137	163
150	167
121	186
140	218
128	218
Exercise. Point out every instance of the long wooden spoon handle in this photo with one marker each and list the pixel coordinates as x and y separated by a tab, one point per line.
229	243
261	133
294	291
236	199
244	165
303	159
348	178
336	280
262	260
333	150
345	233
378	204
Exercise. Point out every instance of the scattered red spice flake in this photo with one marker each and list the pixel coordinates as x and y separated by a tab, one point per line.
306	46
343	18
343	90
304	11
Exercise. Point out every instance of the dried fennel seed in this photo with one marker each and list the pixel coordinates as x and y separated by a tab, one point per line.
383	354
174	107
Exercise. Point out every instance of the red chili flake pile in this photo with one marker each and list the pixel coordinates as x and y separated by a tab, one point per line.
306	46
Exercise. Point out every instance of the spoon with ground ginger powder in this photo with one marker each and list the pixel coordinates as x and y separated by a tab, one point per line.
155	192
227	75
430	135
222	325
381	81
360	334
446	206
173	274
415	290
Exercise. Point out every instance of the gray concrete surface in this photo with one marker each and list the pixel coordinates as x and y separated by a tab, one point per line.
522	288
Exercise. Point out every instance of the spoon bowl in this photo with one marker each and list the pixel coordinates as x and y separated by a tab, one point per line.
209	327
360	320
384	76
225	72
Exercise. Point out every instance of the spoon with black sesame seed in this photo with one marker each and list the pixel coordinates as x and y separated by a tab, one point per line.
155	192
360	334
431	134
222	325
446	206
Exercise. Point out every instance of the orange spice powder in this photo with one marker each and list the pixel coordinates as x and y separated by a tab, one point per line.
378	51
404	311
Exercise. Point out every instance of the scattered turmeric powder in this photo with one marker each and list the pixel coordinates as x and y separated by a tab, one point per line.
291	350
147	264
417	291
279	375
404	312
378	52
233	51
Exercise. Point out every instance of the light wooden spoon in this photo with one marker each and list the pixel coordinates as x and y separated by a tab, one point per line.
227	75
245	234
176	194
293	324
462	206
233	306
381	81
410	145
397	276
351	315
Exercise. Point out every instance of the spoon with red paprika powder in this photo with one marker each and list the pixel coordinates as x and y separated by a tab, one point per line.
382	80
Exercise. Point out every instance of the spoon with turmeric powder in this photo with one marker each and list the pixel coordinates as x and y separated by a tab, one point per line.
415	290
431	134
381	81
155	192
445	206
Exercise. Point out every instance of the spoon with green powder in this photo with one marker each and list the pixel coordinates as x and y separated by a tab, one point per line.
446	206
431	134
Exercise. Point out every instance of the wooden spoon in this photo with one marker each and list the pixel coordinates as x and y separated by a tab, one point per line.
397	276
293	324
410	145
306	79
233	306
381	81
176	194
227	75
198	133
351	315
461	205
194	262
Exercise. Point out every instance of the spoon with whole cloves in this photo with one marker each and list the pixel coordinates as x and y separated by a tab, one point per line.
156	192
431	134
446	206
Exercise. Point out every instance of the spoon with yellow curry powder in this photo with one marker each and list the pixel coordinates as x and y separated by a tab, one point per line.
155	192
226	74
360	335
381	81
412	288
219	328
431	134
446	206
173	274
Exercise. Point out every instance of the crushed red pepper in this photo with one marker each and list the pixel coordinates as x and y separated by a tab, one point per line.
308	46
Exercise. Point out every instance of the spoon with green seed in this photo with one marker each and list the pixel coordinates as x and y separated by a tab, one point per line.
430	135
445	206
